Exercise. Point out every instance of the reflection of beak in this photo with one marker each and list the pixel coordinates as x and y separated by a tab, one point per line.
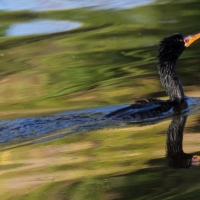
196	160
190	39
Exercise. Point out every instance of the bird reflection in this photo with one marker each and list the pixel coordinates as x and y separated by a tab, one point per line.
174	142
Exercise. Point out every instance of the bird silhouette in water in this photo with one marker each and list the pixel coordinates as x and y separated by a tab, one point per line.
170	48
177	158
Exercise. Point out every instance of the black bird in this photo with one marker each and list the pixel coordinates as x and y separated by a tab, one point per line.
170	48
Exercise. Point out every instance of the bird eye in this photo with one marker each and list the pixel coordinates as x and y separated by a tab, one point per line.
186	40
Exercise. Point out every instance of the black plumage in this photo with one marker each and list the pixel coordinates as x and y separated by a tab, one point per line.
169	50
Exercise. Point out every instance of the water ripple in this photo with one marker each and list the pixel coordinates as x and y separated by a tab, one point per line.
38	5
73	122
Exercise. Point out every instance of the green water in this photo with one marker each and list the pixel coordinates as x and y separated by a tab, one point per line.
109	60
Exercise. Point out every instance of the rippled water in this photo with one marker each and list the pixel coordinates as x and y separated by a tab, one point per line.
82	75
54	26
12	131
41	27
38	5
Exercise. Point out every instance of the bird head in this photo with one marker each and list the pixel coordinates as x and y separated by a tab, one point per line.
172	47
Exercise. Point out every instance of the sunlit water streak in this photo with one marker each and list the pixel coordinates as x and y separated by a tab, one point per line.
41	27
38	5
74	122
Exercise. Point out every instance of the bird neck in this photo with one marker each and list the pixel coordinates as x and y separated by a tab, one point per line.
170	80
174	135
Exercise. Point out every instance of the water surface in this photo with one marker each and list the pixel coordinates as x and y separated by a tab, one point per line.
105	64
37	5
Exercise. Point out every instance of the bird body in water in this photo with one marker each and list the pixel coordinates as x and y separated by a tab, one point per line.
170	48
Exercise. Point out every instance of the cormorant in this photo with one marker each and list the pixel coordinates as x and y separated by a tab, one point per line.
170	48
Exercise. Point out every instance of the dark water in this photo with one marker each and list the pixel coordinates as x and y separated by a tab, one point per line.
105	64
73	122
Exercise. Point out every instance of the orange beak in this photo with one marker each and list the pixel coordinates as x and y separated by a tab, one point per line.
190	39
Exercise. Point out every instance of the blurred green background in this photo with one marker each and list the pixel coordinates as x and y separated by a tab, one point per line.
109	60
